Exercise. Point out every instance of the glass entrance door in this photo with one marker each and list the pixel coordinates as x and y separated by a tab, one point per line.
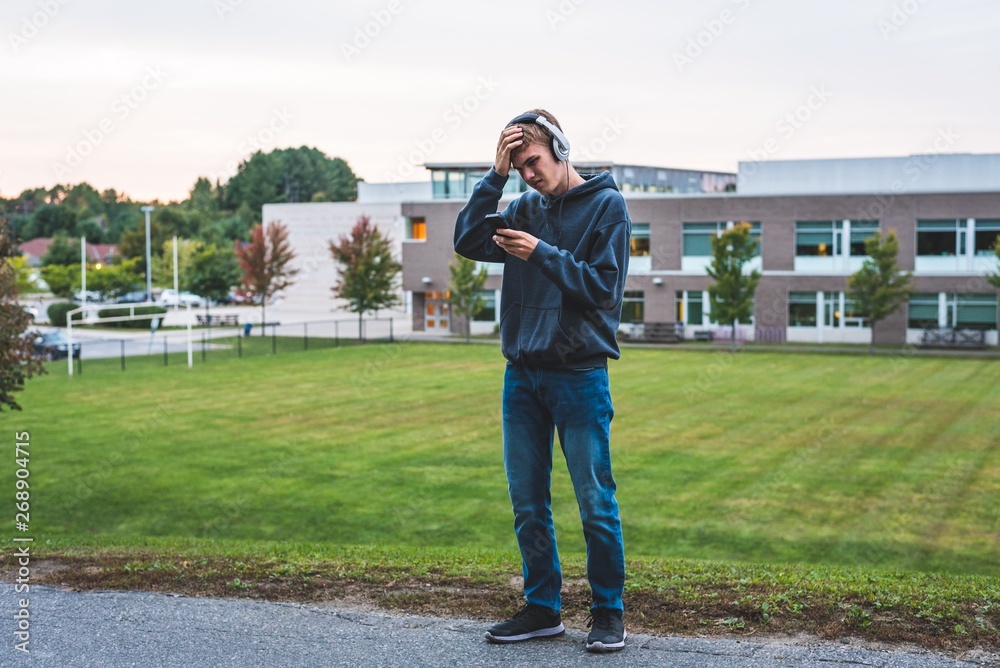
436	313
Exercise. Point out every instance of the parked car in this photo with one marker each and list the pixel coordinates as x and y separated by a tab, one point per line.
134	297
243	297
92	296
171	297
55	346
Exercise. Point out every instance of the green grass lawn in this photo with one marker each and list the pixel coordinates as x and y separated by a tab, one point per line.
753	457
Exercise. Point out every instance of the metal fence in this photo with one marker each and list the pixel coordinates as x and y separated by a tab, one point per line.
174	346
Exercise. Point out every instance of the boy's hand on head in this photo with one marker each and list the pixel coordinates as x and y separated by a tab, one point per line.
510	139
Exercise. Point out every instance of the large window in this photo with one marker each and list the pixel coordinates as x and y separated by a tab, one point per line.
487	311
697	240
416	228
850	315
941	237
640	239
975	311
968	311
457	183
633	307
815	238
690	307
440	184
802	309
835	316
987	232
834	310
923	311
861	231
826	238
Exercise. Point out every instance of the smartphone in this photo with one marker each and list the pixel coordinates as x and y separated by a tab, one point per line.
496	220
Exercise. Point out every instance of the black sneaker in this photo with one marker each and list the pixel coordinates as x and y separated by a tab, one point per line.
607	631
532	621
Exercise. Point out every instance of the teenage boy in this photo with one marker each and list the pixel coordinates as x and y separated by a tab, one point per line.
565	249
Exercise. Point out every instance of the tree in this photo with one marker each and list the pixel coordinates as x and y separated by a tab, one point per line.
465	291
265	264
879	287
62	251
133	242
113	280
17	345
49	220
731	296
367	269
204	198
62	279
289	175
211	273
163	260
994	277
25	279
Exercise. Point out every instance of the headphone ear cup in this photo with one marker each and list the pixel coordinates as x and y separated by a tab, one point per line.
560	145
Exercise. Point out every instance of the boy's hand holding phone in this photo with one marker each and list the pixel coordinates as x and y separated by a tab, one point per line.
515	242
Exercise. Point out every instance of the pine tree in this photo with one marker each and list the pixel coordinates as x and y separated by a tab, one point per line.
368	270
879	287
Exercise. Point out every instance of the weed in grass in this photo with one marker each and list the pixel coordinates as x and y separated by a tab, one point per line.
859	617
239	585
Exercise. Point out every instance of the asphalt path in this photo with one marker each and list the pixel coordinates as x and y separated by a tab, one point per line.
68	628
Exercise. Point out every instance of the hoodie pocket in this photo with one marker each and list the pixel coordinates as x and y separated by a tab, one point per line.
534	335
540	333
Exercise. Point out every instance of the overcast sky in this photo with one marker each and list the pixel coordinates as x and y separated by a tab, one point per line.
145	96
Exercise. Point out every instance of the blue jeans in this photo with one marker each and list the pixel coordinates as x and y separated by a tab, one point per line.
576	403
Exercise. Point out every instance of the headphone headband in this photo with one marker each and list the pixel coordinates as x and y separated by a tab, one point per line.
560	145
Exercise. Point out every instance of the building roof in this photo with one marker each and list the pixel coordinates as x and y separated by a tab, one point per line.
35	249
581	164
920	173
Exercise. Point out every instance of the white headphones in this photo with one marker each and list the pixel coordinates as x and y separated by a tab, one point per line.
560	145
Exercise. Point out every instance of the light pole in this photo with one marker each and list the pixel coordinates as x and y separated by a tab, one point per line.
149	259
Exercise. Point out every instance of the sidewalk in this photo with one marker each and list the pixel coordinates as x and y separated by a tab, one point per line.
110	629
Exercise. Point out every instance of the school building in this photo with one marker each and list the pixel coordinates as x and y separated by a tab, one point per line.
810	217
